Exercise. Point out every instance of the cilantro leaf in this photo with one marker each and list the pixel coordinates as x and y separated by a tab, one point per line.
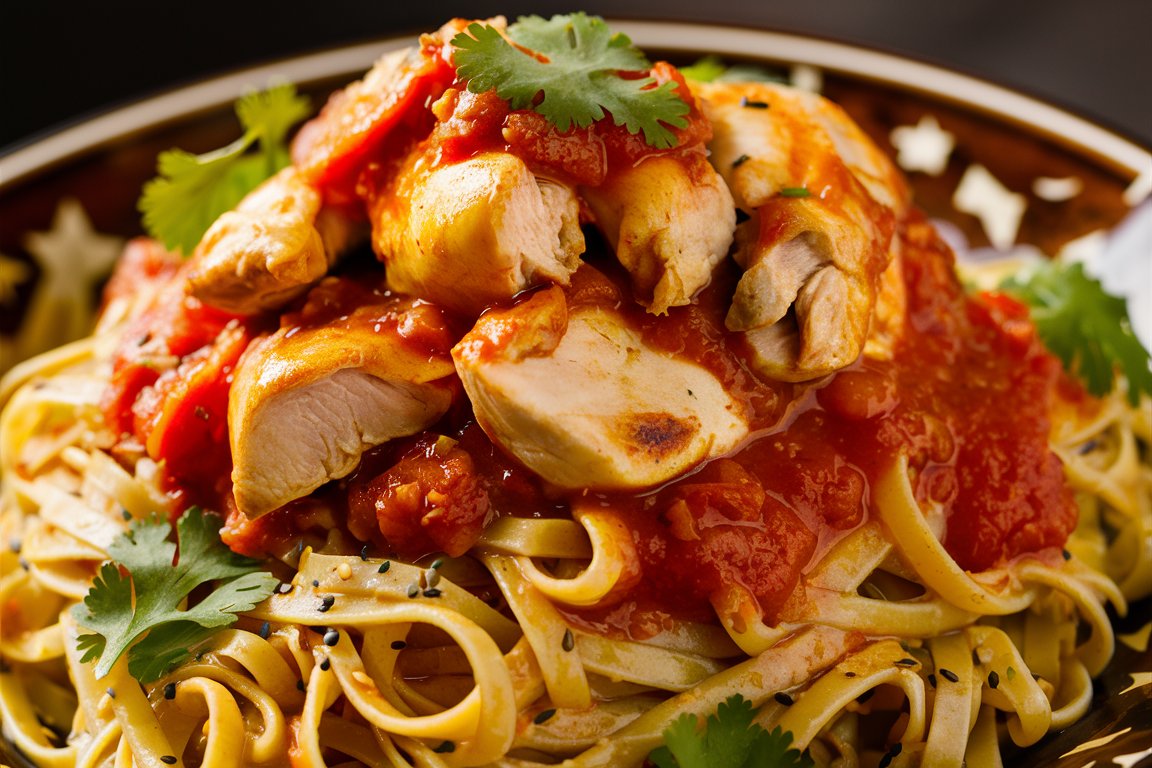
773	749
191	191
706	69
1083	325
581	79
134	603
713	69
729	740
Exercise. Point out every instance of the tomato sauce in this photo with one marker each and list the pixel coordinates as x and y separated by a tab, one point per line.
967	397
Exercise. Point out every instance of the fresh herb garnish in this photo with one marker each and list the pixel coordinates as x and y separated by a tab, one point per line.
589	70
713	69
705	70
1085	326
729	739
134	602
191	191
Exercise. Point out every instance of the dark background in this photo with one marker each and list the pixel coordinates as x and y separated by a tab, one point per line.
62	61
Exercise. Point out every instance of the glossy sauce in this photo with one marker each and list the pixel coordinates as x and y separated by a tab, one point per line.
967	397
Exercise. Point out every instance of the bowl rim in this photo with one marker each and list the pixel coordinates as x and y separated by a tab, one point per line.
974	94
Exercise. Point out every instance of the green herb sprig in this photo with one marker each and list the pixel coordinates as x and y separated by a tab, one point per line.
728	739
190	191
581	79
1085	326
134	604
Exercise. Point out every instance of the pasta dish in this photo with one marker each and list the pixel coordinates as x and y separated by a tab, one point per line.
502	424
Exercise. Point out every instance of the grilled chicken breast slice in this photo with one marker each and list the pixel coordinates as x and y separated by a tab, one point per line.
308	401
270	249
670	220
821	281
580	398
471	233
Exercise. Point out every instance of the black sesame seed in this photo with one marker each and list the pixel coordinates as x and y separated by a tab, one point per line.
265	630
444	747
384	566
432	592
543	716
315	582
14	544
1067	554
437	563
111	693
569	642
906	662
849	674
976	658
364	552
325	665
784	699
24	563
300	685
326	602
751	104
331	637
168	759
170	691
949	675
885	761
126	515
740	161
993	680
932	680
399	645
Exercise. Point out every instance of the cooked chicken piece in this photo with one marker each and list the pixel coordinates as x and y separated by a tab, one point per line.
307	401
580	398
468	234
765	135
824	200
268	250
670	220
